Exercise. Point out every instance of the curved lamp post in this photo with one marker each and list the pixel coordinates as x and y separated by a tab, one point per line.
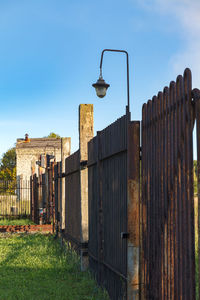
101	86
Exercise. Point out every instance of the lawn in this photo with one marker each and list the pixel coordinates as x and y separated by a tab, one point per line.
36	267
16	222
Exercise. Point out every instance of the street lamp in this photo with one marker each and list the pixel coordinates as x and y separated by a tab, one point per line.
101	86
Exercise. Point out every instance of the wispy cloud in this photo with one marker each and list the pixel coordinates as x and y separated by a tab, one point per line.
187	14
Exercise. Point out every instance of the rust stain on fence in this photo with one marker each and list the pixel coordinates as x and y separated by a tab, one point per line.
133	212
133	207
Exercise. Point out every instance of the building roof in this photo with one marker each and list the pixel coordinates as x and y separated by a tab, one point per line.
39	143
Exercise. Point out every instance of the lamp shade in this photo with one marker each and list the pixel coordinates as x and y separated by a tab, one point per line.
101	87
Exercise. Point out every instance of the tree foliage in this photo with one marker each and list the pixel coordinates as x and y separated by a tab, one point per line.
8	165
195	176
54	135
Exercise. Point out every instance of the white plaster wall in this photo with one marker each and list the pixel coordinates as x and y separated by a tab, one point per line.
26	157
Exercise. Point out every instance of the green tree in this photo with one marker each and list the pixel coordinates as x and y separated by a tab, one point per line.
195	176
8	165
54	135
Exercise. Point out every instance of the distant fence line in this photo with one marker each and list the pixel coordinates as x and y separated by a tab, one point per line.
137	239
15	198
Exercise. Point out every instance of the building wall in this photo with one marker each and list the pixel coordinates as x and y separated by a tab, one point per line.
27	157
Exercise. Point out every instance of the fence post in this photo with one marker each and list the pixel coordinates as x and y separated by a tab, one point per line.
31	197
85	135
133	210
40	191
65	152
35	199
196	96
59	196
47	194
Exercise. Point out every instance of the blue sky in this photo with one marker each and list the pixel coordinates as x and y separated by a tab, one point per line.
50	53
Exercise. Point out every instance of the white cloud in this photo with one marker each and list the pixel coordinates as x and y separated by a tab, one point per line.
187	14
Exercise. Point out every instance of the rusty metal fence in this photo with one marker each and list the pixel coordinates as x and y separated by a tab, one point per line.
108	221
57	191
15	199
167	207
73	200
34	199
196	97
141	242
42	195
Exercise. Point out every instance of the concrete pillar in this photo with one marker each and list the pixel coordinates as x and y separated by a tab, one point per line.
133	210
86	133
65	152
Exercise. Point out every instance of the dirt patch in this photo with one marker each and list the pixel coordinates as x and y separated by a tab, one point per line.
26	228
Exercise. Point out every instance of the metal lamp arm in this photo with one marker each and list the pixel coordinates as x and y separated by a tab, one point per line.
127	63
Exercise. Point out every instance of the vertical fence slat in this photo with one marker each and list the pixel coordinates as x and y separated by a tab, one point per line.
171	187
189	179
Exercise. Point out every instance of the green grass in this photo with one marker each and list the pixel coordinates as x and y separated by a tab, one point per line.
16	222
35	267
